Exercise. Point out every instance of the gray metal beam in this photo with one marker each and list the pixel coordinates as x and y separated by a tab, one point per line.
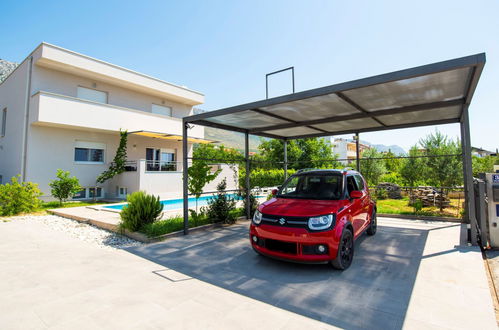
358	107
467	61
357	151
372	114
295	123
285	159
247	177
232	128
185	177
468	176
378	128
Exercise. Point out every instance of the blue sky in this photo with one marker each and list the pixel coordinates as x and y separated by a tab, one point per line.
225	48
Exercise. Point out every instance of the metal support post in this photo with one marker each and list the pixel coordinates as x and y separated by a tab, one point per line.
468	175
246	158
357	152
285	159
185	178
482	211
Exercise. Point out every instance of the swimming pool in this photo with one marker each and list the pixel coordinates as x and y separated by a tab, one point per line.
175	204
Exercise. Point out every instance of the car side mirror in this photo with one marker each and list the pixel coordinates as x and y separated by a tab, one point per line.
274	192
356	194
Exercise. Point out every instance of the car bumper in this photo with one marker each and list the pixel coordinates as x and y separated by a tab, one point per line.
294	244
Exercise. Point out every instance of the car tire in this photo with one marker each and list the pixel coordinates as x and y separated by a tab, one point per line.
344	257
373	225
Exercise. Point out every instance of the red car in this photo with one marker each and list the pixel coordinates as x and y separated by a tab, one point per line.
315	217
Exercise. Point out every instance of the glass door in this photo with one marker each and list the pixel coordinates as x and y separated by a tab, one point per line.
153	159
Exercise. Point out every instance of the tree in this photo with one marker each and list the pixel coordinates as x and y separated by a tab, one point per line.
370	167
412	168
119	162
302	153
443	167
392	163
200	172
64	187
483	164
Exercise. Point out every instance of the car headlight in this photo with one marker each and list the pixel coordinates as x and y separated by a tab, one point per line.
321	222
257	217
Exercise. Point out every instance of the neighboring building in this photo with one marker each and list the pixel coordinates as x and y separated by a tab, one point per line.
479	152
61	109
345	149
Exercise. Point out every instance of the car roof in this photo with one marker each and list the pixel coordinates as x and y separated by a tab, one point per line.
343	171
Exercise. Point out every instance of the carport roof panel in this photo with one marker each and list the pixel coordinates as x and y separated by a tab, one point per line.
430	94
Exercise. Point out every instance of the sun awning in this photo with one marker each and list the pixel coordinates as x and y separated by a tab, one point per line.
165	136
427	95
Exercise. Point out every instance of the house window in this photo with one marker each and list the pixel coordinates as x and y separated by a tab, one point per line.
4	122
95	192
87	193
82	194
121	191
91	95
89	152
162	110
161	160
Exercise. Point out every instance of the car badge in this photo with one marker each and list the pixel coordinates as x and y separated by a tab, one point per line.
282	221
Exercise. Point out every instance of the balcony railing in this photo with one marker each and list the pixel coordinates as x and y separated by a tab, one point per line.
130	165
162	166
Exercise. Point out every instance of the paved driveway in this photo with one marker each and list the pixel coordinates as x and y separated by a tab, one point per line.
411	275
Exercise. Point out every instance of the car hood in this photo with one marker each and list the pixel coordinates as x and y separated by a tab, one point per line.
300	207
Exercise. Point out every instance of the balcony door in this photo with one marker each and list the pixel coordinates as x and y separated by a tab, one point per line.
161	160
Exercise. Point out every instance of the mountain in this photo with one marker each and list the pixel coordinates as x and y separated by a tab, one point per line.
397	150
6	68
230	139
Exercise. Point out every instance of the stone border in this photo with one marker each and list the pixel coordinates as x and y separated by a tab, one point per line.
419	217
136	235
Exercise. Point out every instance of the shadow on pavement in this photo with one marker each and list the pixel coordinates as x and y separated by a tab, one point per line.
373	293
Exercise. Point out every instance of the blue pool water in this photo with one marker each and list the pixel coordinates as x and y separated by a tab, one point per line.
175	204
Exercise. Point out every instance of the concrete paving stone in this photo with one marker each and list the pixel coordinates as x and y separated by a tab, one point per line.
410	274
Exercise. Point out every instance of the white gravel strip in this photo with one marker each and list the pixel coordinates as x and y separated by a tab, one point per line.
85	232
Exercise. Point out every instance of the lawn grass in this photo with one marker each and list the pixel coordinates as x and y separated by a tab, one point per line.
57	205
44	206
401	206
166	226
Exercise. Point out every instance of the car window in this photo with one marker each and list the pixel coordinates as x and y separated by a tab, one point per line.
351	184
360	182
324	186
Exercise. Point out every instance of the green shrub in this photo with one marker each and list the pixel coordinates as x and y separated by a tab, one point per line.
16	197
418	206
264	177
381	193
142	209
253	203
64	187
392	177
221	205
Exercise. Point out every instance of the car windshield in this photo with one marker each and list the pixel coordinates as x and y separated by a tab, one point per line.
324	186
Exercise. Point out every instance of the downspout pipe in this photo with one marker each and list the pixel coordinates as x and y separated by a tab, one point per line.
26	120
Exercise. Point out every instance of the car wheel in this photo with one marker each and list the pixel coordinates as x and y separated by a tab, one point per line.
345	251
374	224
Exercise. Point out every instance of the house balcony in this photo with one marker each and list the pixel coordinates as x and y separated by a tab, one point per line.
155	177
49	109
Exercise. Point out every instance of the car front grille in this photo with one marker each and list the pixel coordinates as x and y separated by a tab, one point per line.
285	221
280	246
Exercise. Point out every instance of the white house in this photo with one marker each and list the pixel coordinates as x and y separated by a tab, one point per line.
61	109
346	149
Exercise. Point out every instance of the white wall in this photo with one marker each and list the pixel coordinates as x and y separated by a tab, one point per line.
51	148
13	97
59	82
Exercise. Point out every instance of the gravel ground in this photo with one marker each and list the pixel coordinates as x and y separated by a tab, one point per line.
82	231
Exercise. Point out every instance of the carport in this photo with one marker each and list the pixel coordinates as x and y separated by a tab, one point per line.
433	94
